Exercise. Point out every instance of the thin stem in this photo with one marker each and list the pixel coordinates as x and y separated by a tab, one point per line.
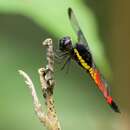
50	120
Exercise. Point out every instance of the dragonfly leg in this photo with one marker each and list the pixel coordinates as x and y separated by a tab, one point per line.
60	59
68	66
60	56
57	51
66	62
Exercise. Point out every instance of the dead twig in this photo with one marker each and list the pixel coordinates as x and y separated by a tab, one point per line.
46	74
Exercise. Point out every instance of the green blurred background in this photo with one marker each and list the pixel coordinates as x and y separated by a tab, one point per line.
24	24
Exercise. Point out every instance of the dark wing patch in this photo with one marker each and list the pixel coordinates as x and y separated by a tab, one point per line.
77	29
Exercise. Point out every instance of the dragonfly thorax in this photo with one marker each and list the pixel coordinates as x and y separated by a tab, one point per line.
65	44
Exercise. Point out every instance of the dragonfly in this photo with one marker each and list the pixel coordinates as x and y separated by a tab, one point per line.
81	53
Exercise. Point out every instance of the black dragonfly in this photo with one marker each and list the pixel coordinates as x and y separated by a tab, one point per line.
82	55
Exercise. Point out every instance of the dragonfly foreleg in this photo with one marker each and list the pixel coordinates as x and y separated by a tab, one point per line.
66	62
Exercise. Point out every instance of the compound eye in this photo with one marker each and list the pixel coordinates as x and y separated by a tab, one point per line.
67	41
65	44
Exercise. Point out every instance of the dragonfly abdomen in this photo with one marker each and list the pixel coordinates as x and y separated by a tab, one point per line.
96	76
80	60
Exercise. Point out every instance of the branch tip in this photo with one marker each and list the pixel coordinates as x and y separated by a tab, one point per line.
46	75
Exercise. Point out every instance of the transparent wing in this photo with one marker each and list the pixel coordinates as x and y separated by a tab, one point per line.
76	27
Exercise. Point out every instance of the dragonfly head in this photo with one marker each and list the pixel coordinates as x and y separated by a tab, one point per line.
65	44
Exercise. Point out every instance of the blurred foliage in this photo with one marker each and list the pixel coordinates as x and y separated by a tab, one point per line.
24	24
52	16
